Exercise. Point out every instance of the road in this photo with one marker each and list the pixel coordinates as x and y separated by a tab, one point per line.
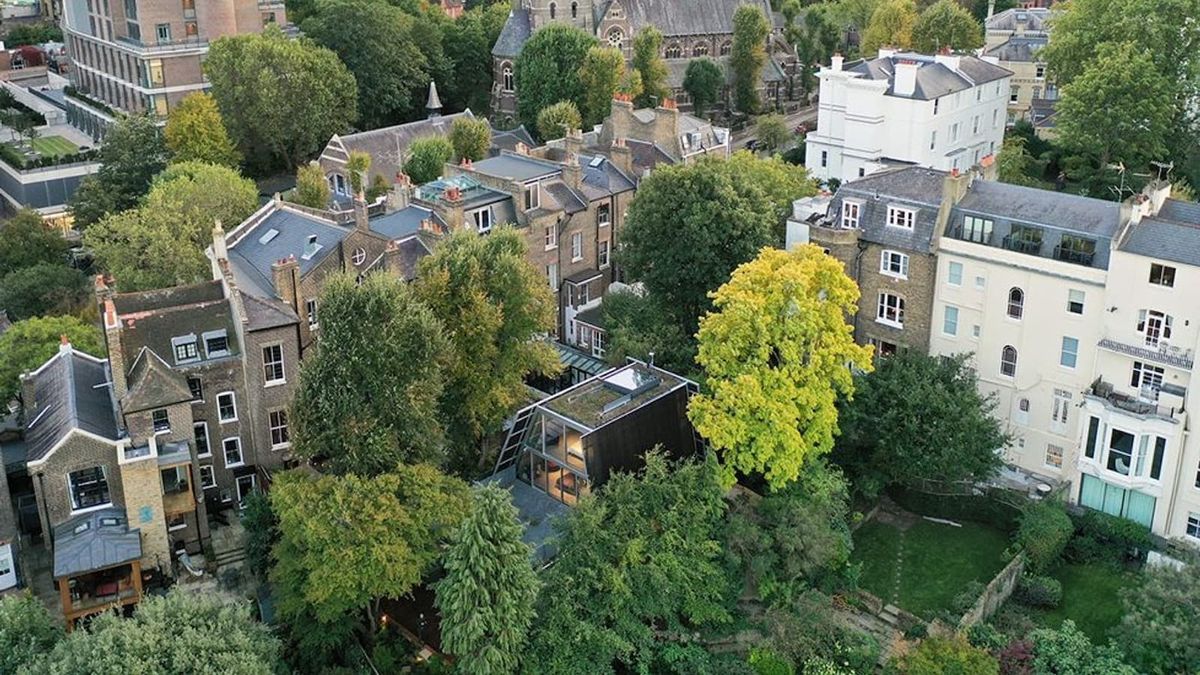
809	114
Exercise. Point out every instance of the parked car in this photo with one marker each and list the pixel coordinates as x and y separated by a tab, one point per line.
752	144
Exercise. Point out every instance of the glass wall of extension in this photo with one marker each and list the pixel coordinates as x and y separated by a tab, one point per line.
1118	501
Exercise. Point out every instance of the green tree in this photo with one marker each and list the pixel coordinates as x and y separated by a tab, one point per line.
635	325
312	189
815	40
948	656
638	572
26	240
19	35
1043	534
28	344
181	632
892	25
498	302
781	182
602	71
772	132
468	44
375	40
486	598
427	158
345	542
470	138
27	631
556	120
1068	650
548	70
45	288
195	132
368	399
750	32
132	155
358	167
938	426
702	81
777	353
1157	629
281	98
262	531
1118	109
1014	164
946	24
647	61
161	243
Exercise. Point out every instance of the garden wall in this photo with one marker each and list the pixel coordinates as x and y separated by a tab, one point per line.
995	593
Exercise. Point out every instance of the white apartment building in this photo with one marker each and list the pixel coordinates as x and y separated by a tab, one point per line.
946	112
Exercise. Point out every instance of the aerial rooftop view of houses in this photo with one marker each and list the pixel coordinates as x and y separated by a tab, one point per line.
562	336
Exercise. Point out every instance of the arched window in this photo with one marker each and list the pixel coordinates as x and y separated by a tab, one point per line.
726	48
574	10
1008	361
615	38
674	51
507	75
553	9
1016	302
700	50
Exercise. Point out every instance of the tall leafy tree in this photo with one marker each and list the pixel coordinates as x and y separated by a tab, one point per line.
946	25
181	632
639	570
132	155
750	31
27	631
1118	109
195	132
891	24
471	138
375	40
358	166
1014	163
634	325
468	45
555	121
601	73
1068	650
26	240
702	81
772	132
815	38
312	189
486	598
915	418
29	343
45	288
548	69
281	98
1157	629
647	61
161	243
486	288
777	354
427	158
368	400
262	531
345	542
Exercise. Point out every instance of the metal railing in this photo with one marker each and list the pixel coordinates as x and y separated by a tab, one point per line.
1073	255
1021	245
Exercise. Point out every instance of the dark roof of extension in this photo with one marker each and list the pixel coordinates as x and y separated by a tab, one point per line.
166	298
70	391
934	79
695	17
1034	206
916	188
94	541
152	384
507	139
1172	234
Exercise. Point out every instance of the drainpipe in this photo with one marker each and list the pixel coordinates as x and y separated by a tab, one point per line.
862	248
47	535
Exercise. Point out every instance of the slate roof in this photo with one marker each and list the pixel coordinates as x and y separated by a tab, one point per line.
388	146
103	540
1019	49
262	313
293	230
70	391
1173	234
165	298
1035	19
507	139
564	196
934	79
516	167
513	36
677	71
916	188
592	317
694	17
603	179
152	384
151	319
1059	210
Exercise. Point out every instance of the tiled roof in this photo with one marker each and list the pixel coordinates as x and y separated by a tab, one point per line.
507	139
916	188
266	313
70	391
1018	49
1173	234
934	79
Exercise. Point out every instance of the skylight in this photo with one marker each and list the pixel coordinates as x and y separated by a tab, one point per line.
270	234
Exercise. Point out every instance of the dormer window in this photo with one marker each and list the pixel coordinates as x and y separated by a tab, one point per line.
185	348
533	196
850	213
483	220
898	217
216	343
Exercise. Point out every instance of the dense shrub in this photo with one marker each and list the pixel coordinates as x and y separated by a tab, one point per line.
1039	591
767	662
1043	534
1101	537
1016	658
986	636
985	509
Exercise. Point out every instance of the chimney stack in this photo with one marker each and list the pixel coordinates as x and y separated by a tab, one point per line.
622	157
285	274
573	141
572	173
904	81
836	62
220	252
116	356
401	192
361	220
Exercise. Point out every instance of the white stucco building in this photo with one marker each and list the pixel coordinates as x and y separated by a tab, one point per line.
946	112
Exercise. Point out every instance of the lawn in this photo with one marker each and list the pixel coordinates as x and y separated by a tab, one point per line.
54	146
1090	598
938	562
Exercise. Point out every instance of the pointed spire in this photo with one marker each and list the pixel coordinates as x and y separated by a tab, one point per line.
433	104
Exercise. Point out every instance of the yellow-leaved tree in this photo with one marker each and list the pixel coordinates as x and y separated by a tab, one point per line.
777	353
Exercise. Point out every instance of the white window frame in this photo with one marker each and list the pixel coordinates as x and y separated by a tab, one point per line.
233	402
603	215
950	267
71	490
532	197
552	275
896	308
1074	354
270	366
1046	460
947	311
506	77
1060	411
851	214
1191	526
154	421
602	255
1014	307
893	264
1147	378
310	309
576	247
272	427
211	483
483	220
1071	301
1021	414
185	341
241	498
237	441
359	256
214	334
1149	317
1015	360
551	237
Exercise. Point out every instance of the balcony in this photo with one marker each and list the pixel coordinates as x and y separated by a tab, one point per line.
1073	255
1145	405
1021	245
974	236
163	46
